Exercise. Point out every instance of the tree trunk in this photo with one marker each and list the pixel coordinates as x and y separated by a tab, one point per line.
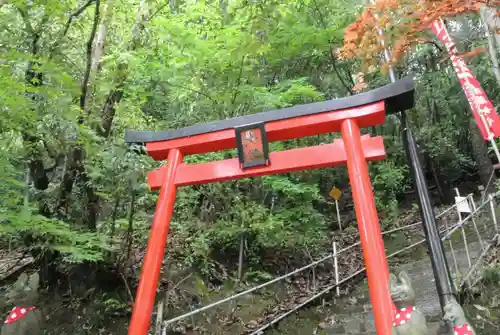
241	255
90	60
130	230
34	78
492	47
113	225
114	97
37	171
109	109
100	41
98	50
74	166
113	218
27	179
480	154
489	15
441	184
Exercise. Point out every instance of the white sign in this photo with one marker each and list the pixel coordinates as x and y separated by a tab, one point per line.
462	205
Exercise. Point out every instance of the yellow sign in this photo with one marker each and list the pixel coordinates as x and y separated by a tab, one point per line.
335	193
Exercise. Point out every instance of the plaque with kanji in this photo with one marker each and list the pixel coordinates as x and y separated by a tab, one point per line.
253	148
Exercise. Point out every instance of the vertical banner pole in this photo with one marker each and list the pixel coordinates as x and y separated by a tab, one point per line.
437	255
338	214
372	244
493	213
460	220
150	274
336	265
491	137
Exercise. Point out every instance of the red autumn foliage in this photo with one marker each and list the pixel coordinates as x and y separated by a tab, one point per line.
402	21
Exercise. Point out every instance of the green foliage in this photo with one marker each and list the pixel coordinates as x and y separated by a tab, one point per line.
176	66
491	275
113	306
46	234
389	180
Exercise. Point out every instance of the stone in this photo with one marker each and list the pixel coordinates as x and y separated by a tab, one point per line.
353	326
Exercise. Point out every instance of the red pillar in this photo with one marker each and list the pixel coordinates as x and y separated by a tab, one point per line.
150	274
370	235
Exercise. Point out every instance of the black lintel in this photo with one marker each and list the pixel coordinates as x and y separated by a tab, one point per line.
398	96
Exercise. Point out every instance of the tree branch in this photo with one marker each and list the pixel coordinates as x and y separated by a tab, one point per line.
435	44
74	161
332	57
334	63
27	23
65	30
238	81
75	14
156	12
88	67
190	89
115	95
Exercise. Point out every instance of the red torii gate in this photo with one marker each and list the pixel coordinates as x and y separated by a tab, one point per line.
346	115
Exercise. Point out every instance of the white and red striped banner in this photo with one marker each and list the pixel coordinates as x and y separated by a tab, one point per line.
489	124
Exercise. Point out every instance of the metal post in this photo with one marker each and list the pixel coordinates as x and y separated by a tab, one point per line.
150	273
457	269
377	270
470	198
436	249
464	236
491	137
493	213
338	214
336	265
437	255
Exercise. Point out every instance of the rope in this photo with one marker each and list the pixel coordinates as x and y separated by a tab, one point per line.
328	257
258	287
324	291
452	250
479	260
488	185
471	200
463	221
329	288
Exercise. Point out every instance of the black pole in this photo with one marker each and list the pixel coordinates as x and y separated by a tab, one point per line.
435	246
436	250
437	255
